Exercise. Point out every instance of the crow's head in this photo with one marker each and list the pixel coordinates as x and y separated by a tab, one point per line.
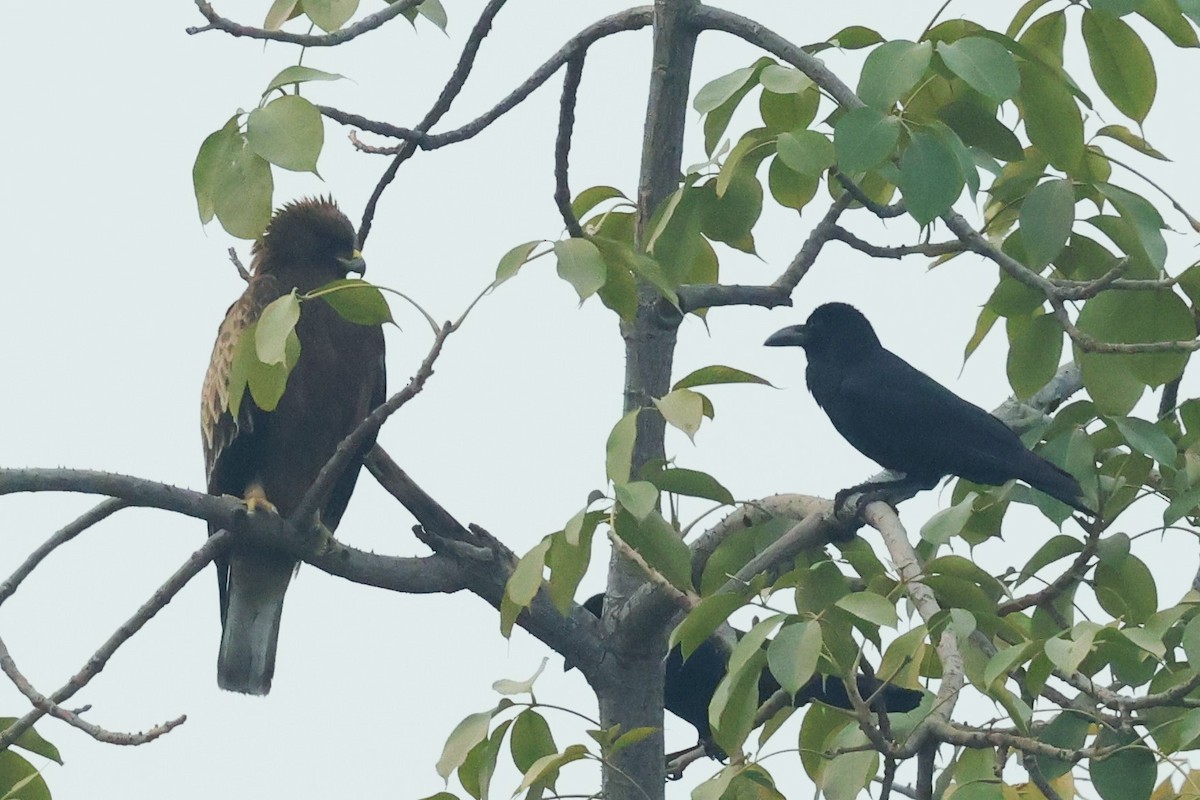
833	331
312	231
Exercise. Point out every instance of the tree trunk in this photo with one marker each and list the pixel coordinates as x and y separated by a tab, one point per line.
634	698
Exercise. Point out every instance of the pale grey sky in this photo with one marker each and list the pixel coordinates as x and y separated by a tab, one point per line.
114	291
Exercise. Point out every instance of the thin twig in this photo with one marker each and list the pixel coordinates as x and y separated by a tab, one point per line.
61	537
243	273
562	144
368	23
879	251
454	85
162	595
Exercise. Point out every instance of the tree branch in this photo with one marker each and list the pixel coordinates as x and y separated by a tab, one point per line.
368	23
163	595
454	85
562	145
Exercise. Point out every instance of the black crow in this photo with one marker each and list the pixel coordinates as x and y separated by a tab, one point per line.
689	685
905	420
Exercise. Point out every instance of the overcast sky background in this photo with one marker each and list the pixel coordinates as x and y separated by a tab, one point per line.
113	293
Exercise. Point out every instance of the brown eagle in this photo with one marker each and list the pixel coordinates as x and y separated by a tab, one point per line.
270	459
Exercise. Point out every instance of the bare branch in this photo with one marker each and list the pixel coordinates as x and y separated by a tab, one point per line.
72	718
811	248
64	535
693	297
897	209
1072	576
368	23
242	272
562	145
879	251
195	562
454	85
628	20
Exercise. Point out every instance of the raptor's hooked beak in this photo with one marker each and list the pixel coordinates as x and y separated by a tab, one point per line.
354	263
793	336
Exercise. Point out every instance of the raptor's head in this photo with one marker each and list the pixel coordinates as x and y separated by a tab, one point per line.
311	231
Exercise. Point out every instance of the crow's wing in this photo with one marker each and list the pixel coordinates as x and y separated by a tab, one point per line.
904	420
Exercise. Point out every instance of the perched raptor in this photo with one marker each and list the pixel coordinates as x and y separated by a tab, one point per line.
270	459
906	421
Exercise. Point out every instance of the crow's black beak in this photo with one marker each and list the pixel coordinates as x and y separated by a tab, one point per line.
793	336
354	263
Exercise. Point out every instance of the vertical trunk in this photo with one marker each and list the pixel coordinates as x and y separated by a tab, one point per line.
634	696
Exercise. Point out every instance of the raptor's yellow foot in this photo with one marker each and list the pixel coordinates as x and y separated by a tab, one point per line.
256	500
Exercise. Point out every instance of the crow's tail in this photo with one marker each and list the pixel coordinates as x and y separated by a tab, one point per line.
1059	484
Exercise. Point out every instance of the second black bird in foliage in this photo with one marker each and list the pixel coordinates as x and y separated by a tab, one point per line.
906	421
690	683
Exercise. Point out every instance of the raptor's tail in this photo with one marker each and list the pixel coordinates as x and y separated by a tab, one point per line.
257	586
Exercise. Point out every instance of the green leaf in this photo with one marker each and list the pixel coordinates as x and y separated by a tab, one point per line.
267	382
280	12
793	654
591	197
1121	63
864	138
20	779
979	128
784	80
985	65
730	218
703	620
1147	438
746	155
891	71
329	15
1127	774
431	10
789	188
508	686
523	584
734	703
1131	139
1127	590
1166	16
32	741
855	37
726	95
550	764
806	152
948	522
1047	216
788	112
1034	349
531	739
639	498
242	199
1068	731
275	324
581	265
1191	640
716	92
356	301
657	541
619	448
930	177
1143	218
214	160
848	775
299	74
568	561
472	730
691	483
870	607
1116	381
1052	120
683	409
718	373
288	132
513	260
